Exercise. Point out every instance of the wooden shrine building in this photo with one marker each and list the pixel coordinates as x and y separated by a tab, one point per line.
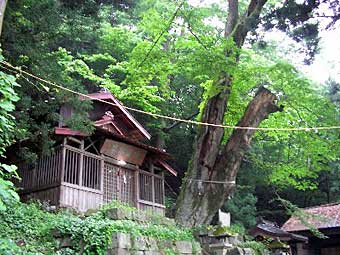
85	172
326	219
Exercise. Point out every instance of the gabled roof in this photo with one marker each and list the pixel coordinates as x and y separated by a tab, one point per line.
107	96
106	121
270	229
329	217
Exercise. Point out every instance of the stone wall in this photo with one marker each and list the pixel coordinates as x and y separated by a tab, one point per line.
126	244
123	243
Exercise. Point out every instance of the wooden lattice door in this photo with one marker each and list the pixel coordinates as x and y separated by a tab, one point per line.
119	184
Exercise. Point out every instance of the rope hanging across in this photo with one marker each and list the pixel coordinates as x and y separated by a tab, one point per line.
306	129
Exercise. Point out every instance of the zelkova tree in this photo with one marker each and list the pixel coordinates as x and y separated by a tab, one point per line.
213	159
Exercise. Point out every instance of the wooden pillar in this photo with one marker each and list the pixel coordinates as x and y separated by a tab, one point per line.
152	185
34	176
81	159
63	161
137	187
163	189
102	165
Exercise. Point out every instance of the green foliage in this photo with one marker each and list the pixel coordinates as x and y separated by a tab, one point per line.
290	162
233	230
86	45
301	166
7	128
258	247
34	227
304	217
9	247
242	207
7	189
31	226
7	99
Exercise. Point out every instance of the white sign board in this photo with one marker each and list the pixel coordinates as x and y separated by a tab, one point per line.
224	218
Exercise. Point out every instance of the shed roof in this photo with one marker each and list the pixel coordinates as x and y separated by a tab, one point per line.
329	213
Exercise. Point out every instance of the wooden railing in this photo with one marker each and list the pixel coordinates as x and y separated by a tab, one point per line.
151	191
82	168
45	173
159	190
86	180
145	186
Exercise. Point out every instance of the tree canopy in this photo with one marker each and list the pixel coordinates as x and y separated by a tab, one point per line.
211	63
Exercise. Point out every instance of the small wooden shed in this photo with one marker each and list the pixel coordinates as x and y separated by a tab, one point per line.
276	239
85	172
326	218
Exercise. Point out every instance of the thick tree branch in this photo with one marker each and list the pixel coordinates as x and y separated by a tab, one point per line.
255	4
257	110
232	19
208	197
175	124
248	22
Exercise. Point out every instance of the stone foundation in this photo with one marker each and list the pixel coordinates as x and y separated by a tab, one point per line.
125	244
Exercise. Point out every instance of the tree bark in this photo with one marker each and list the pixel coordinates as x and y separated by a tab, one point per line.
3	4
198	201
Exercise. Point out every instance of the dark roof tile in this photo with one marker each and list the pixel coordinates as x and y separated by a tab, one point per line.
329	218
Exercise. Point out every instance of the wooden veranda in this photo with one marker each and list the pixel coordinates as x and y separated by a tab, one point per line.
73	177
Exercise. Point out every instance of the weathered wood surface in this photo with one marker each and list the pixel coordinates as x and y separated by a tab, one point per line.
151	192
80	198
198	200
85	180
82	168
3	4
44	173
119	184
123	152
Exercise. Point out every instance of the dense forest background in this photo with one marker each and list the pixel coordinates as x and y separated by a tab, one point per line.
161	56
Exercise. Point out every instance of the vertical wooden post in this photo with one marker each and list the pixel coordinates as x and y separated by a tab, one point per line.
102	165
35	177
63	161
81	159
152	185
137	187
163	190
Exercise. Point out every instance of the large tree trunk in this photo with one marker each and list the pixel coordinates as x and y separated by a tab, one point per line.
3	4
199	200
